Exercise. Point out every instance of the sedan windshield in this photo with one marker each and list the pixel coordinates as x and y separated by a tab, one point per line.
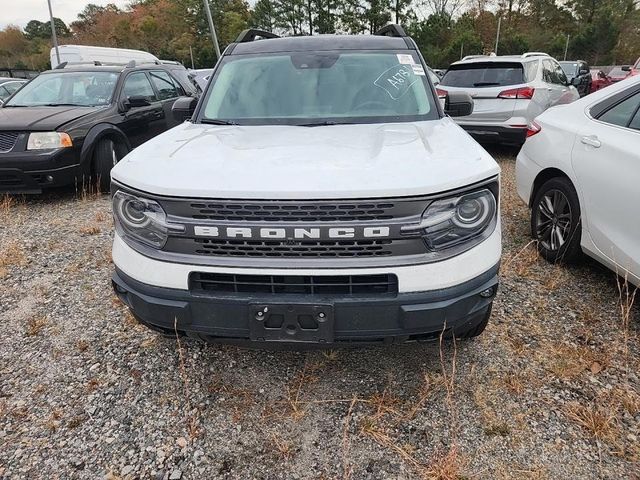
319	88
85	89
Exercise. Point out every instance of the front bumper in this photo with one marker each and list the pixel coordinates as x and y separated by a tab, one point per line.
31	172
228	317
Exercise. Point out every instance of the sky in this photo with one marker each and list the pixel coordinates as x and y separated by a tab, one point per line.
19	12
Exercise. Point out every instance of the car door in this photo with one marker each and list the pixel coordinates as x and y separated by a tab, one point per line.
606	160
168	89
551	83
141	123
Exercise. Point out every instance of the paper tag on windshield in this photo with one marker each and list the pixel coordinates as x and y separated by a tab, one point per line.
405	59
417	69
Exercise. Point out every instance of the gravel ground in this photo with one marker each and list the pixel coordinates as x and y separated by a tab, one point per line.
550	390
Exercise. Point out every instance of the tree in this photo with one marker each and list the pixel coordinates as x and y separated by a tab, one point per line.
263	15
36	29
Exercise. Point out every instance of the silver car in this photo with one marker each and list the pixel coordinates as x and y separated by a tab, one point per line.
508	93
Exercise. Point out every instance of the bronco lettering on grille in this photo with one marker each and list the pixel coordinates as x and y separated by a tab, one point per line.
291	233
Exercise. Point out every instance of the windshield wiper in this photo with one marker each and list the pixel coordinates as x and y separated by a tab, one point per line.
322	124
61	105
215	121
486	84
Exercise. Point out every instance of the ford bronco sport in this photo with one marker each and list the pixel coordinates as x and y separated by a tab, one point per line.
318	195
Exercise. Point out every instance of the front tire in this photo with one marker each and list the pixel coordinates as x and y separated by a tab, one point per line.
105	155
556	220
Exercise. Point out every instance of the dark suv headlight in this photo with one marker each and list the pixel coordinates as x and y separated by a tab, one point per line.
142	219
457	223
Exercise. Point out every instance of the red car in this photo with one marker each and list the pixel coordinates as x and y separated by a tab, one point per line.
635	70
619	73
599	80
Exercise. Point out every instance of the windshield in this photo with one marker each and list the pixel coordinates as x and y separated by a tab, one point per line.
570	69
318	88
85	89
478	75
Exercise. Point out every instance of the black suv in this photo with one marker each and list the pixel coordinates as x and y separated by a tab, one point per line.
74	123
580	70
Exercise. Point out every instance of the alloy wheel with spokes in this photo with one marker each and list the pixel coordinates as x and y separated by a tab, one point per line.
555	220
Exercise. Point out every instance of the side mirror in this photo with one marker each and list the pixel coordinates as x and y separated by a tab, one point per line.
136	101
626	68
183	108
583	72
575	81
458	104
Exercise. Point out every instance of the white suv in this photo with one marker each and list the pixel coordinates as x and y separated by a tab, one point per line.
508	93
318	195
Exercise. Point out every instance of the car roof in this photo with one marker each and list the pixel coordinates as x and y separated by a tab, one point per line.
114	68
10	79
320	43
500	58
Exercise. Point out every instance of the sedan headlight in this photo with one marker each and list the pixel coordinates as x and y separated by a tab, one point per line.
461	221
142	219
48	140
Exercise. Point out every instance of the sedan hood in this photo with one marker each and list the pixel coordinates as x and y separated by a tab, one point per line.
40	118
289	162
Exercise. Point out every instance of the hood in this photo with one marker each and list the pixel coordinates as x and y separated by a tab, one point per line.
289	162
40	118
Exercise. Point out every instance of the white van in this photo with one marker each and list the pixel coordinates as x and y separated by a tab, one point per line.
86	54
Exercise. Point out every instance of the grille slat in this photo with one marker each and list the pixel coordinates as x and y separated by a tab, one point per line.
292	212
204	283
8	141
252	248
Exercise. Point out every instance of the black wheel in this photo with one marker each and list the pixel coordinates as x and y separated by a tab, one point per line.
478	328
105	155
555	220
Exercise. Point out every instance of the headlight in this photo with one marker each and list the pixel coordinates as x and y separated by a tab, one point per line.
48	140
142	219
462	220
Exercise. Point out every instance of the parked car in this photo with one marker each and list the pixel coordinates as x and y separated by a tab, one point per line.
201	76
617	74
579	172
635	69
578	69
318	195
86	54
508	93
9	86
599	80
74	123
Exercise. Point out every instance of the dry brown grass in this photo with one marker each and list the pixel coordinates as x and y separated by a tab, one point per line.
35	325
12	254
600	422
91	229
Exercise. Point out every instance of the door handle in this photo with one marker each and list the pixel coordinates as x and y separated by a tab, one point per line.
592	141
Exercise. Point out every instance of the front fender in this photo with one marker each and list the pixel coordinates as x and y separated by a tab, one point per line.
95	134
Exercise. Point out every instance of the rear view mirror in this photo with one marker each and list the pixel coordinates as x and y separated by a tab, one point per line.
183	108
458	104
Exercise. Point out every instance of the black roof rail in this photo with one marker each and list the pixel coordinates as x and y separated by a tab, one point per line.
251	34
391	30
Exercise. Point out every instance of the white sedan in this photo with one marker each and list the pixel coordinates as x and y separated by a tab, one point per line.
579	172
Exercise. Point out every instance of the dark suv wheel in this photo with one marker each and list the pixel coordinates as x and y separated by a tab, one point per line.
555	220
105	155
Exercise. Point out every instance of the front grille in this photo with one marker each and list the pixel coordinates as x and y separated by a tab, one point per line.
294	284
257	248
279	211
8	141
